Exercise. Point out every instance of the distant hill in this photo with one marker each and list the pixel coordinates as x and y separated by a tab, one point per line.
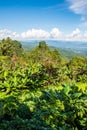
66	48
29	45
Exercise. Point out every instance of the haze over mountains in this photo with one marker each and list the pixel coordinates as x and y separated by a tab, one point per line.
77	48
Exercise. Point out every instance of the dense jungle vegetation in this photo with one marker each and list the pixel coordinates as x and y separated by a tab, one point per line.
41	90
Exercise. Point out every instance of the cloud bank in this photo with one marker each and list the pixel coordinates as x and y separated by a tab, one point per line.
78	6
55	33
35	34
39	34
7	33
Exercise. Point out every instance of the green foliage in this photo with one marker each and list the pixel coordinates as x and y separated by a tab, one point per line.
10	47
45	109
43	54
40	90
68	53
78	69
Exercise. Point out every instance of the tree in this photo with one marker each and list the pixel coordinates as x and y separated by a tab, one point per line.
42	45
78	68
8	47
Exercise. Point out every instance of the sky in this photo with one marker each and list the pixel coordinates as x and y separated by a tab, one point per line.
44	19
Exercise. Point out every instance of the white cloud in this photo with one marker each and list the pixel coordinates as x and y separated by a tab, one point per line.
36	34
41	34
7	33
75	35
55	33
78	6
85	34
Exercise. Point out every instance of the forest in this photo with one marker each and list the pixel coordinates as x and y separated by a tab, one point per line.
40	89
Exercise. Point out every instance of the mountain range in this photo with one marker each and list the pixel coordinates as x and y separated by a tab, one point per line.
66	48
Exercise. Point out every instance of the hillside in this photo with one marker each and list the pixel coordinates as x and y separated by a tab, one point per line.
41	90
66	49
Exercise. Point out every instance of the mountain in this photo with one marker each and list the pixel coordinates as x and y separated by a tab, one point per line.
66	48
29	45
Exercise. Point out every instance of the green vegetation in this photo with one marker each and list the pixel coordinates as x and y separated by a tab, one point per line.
40	90
10	47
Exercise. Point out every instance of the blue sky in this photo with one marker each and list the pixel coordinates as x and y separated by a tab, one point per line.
43	19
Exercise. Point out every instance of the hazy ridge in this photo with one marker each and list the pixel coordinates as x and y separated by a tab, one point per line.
66	48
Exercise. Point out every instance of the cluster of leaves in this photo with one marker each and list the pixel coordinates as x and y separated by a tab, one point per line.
15	76
10	47
45	109
78	69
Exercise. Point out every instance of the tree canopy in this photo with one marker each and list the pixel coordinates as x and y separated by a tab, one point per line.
10	47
